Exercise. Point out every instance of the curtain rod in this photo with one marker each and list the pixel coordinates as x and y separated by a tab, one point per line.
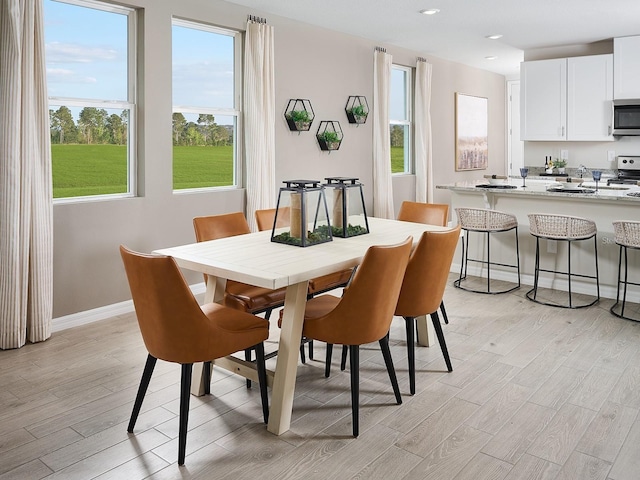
381	49
255	19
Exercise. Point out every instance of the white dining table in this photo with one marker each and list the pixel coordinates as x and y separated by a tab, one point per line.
254	259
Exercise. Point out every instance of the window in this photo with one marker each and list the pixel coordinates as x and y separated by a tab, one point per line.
90	62
205	106
400	119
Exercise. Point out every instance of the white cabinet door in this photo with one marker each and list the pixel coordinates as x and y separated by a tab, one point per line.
589	98
543	94
626	67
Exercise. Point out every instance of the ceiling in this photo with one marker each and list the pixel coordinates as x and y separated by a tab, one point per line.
458	32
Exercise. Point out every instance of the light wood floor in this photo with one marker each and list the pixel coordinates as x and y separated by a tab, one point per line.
536	393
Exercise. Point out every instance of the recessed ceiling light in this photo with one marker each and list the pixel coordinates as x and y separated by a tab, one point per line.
494	37
491	57
430	11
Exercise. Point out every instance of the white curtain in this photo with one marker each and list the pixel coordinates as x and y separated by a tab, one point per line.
382	186
259	118
26	244
423	154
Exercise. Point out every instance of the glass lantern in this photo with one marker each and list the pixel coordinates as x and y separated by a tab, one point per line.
346	204
302	217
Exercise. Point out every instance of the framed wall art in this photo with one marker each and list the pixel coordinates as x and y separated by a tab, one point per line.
472	128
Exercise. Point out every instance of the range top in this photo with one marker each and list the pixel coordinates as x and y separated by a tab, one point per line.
628	171
629	162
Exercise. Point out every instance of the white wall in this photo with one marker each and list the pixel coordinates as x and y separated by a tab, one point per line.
325	67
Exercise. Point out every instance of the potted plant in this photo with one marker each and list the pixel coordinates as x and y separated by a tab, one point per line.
559	164
357	114
329	140
299	120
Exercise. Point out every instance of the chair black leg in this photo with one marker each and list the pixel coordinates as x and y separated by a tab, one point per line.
207	378
444	312
142	389
310	349
302	356
343	360
386	353
185	394
354	363
267	314
327	364
443	344
247	357
411	353
262	380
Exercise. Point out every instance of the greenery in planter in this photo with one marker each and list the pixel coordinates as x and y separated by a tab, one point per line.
358	112
558	163
319	236
329	136
352	230
300	118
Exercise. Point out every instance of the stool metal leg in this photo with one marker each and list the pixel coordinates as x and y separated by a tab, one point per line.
595	249
518	256
569	272
488	263
626	271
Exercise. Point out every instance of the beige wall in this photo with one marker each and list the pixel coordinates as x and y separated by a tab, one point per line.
325	67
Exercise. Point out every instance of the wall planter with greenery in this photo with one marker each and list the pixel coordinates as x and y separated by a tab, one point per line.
357	109
299	115
329	135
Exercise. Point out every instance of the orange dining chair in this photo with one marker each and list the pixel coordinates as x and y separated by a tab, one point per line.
238	295
363	314
176	329
430	214
265	219
423	287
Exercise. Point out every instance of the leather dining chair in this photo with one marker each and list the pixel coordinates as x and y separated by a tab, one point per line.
423	287
238	295
265	219
176	329
363	314
430	214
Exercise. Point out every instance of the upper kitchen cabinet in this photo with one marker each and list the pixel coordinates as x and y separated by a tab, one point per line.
626	67
589	98
543	99
567	99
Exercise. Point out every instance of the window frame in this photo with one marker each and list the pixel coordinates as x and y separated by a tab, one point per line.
234	112
130	104
407	121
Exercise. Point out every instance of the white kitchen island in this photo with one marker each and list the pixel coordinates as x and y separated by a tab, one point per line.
603	207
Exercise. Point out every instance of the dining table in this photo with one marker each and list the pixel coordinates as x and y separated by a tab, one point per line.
253	259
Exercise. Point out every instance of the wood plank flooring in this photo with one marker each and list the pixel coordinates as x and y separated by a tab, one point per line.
536	393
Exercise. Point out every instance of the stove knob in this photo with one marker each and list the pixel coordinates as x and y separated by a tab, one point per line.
624	161
630	161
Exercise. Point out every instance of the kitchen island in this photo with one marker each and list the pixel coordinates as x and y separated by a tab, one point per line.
603	207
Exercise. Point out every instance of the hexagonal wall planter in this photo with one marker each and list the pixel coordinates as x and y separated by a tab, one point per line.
357	109
329	135
299	115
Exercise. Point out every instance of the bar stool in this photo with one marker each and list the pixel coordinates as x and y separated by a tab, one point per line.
489	222
567	229
627	235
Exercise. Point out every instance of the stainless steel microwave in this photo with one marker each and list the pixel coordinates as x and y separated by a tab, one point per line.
626	117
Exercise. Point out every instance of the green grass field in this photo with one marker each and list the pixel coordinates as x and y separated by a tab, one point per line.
82	170
397	159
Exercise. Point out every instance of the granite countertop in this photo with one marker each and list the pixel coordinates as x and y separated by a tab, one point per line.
535	187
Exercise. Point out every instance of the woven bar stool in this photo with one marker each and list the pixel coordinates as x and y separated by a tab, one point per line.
567	229
627	235
488	222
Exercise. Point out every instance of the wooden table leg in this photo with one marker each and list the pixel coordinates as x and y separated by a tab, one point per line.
426	335
214	293
284	381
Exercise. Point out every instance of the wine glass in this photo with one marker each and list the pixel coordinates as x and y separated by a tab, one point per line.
523	173
596	174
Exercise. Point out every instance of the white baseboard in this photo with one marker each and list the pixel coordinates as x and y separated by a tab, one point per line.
108	311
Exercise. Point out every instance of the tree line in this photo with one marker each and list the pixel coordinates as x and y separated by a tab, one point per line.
205	132
96	126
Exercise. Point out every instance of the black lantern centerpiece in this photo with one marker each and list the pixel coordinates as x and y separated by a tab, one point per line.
348	213
302	217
